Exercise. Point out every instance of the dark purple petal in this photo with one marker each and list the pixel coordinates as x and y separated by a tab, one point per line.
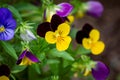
87	28
43	28
10	23
21	57
5	14
79	36
101	71
65	9
95	8
32	57
8	34
4	70
55	21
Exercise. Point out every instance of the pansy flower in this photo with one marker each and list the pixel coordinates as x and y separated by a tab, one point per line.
4	72
90	39
94	8
7	24
55	32
27	58
62	9
100	71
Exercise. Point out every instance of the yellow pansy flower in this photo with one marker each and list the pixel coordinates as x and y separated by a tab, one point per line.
70	19
60	37
4	78
93	42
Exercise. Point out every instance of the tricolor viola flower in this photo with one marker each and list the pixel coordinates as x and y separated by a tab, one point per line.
100	71
7	24
4	72
69	19
27	58
90	40
62	9
94	8
55	32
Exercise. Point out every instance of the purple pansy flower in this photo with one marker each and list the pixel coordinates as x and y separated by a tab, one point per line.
27	58
64	9
101	71
95	8
7	24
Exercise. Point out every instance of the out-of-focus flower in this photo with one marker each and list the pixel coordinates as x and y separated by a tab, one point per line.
94	8
27	58
90	40
60	37
62	9
100	71
4	72
52	26
27	35
7	24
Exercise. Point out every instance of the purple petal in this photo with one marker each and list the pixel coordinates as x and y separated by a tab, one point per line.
101	71
65	9
21	57
43	28
5	14
95	8
55	21
7	34
32	57
9	23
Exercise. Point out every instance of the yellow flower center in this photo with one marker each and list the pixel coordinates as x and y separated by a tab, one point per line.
2	29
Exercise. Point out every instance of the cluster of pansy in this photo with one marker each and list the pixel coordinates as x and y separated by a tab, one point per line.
55	30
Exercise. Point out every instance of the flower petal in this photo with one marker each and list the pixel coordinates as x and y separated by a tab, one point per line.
65	9
4	70
87	28
50	37
101	71
86	43
97	48
7	34
21	57
43	28
10	24
63	29
32	57
95	8
55	21
5	14
94	35
4	78
63	43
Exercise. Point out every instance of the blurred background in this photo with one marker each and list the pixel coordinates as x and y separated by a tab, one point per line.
109	26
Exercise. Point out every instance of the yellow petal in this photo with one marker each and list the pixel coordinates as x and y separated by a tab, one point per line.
98	47
63	43
26	61
71	19
86	42
63	29
50	37
4	78
94	35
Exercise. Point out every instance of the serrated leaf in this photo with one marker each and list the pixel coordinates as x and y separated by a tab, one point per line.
9	49
63	54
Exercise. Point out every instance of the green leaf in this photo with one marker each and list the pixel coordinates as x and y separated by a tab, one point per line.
63	54
15	12
52	61
17	68
36	67
9	49
81	50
